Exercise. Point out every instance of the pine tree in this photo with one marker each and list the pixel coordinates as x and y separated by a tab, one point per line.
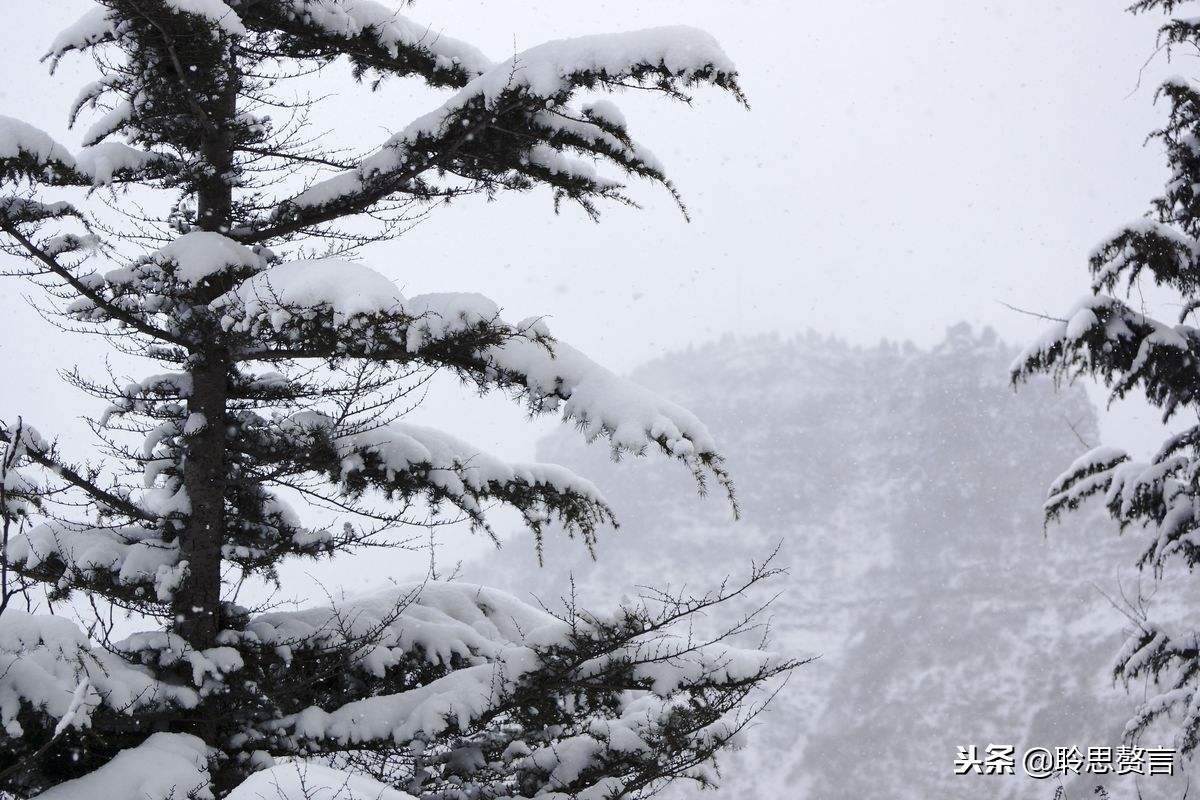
1106	336
284	376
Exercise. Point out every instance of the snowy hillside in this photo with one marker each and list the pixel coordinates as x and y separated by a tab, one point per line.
907	486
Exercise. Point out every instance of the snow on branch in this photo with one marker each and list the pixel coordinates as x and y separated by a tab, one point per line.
1145	246
108	162
371	35
1103	336
135	563
155	290
23	211
198	256
30	153
337	309
344	289
50	667
1163	660
166	766
96	26
552	375
444	623
215	12
25	446
26	151
404	460
604	404
106	23
453	702
1090	474
512	126
493	644
334	309
40	659
649	698
303	780
547	75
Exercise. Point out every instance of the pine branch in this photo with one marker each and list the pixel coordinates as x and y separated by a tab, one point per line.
72	476
295	219
93	296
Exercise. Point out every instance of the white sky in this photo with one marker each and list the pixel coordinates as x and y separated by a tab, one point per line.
905	165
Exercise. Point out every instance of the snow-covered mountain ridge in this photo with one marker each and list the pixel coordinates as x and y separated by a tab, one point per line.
906	485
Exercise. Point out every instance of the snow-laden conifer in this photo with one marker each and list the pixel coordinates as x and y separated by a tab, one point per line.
283	371
1108	334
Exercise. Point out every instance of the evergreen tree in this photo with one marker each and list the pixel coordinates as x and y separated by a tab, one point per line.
1111	336
286	376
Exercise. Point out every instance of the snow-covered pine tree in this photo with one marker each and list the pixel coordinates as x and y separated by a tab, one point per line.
286	377
1131	350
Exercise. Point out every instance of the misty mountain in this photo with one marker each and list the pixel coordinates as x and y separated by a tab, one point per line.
906	486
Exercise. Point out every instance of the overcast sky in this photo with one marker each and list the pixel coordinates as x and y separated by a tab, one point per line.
904	166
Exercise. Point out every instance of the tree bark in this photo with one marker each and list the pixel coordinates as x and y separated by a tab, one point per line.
197	602
198	599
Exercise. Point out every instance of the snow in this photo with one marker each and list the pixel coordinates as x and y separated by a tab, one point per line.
75	715
111	122
95	26
453	701
546	71
1096	459
344	287
215	11
130	556
564	760
19	139
19	491
1078	322
603	403
48	664
591	132
101	162
1123	252
1148	227
454	466
170	649
39	662
201	254
554	162
301	780
442	620
194	423
606	111
499	638
29	437
392	30
439	315
461	697
167	766
491	630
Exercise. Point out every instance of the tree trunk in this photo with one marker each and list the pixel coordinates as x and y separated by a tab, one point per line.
197	602
198	599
